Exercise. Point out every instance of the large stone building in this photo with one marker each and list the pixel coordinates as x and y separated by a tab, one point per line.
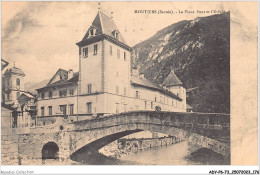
14	96
106	83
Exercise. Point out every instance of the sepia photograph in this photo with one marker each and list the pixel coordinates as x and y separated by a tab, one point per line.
124	83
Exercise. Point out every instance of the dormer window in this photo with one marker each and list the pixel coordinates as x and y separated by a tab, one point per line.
62	77
92	31
115	33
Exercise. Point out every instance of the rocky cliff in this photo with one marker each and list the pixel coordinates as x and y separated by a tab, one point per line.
199	53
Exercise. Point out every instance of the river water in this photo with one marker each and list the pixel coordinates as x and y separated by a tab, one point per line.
176	154
166	155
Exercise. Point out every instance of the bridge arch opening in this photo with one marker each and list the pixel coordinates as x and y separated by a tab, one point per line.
50	151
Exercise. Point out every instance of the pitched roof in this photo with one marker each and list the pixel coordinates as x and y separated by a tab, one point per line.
27	94
62	82
172	80
62	72
14	70
25	97
104	25
143	82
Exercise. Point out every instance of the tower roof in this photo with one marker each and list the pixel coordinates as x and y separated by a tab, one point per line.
104	25
172	80
14	70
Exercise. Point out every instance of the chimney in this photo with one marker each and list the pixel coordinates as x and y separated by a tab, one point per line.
70	74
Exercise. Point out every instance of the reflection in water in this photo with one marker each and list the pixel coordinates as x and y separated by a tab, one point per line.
176	154
165	155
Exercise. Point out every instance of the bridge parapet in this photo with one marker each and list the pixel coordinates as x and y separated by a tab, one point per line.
52	128
210	125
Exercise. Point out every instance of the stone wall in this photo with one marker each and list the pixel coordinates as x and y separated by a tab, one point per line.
9	150
123	147
9	140
26	149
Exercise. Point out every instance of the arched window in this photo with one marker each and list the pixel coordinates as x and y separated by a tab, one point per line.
50	151
18	82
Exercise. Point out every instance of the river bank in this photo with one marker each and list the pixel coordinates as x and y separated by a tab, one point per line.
124	147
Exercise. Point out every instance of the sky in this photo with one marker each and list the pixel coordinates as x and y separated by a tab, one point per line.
40	37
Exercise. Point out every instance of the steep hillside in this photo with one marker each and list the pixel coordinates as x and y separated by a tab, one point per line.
199	53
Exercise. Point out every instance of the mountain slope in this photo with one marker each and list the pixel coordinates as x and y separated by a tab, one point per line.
199	53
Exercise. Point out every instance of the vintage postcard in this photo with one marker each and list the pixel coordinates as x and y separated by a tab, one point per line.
129	83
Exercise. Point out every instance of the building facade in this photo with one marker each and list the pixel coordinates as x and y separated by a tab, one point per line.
13	85
14	97
106	83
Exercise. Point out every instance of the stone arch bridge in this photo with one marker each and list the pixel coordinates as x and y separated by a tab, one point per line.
210	131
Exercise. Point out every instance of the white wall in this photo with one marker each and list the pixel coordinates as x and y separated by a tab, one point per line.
180	91
166	102
129	103
117	70
56	101
96	100
90	68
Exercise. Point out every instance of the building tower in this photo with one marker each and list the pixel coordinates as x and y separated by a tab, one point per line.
174	85
104	63
13	85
